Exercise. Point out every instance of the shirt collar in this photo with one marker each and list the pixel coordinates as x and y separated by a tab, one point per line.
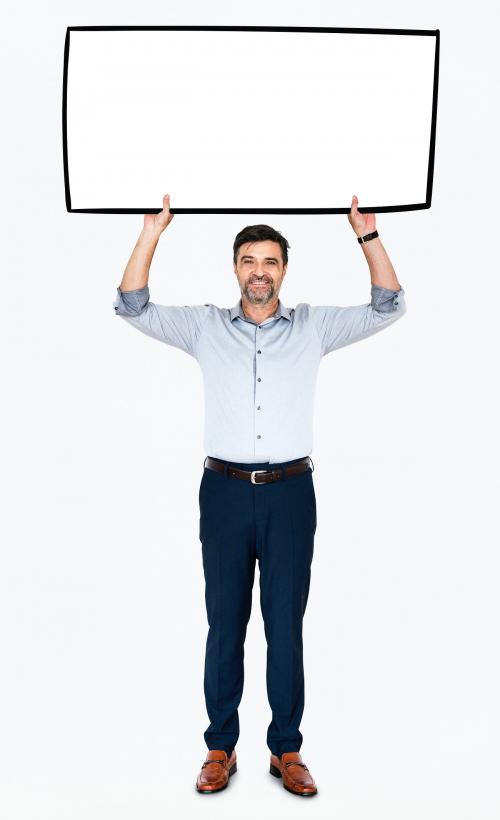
281	312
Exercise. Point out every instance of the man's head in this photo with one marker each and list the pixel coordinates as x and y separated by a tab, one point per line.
260	255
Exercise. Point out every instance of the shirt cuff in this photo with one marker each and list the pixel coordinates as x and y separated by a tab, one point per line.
385	300
131	302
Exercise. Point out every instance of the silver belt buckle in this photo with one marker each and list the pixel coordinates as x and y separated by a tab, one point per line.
252	474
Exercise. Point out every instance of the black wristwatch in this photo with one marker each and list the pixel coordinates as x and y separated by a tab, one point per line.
367	237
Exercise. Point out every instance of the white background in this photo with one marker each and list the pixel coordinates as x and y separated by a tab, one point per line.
102	612
315	115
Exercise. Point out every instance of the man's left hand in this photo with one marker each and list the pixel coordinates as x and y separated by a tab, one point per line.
361	223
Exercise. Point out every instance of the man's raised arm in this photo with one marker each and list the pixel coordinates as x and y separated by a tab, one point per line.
136	273
171	324
340	326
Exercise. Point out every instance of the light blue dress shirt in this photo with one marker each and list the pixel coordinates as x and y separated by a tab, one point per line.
259	379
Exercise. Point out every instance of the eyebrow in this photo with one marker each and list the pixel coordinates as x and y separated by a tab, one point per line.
246	256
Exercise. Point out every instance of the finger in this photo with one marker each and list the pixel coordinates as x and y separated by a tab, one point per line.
166	208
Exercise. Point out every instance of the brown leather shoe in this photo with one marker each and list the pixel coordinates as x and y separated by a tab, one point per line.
296	776
216	770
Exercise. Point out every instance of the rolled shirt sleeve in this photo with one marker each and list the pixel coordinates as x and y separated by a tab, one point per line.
131	302
341	326
174	325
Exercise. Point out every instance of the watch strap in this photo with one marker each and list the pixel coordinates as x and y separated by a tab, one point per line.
367	237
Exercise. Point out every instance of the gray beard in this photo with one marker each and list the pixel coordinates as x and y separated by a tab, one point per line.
257	298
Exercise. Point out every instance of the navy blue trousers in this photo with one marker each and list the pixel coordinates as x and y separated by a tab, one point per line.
240	523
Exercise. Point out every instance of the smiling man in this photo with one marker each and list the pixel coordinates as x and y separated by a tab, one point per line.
259	361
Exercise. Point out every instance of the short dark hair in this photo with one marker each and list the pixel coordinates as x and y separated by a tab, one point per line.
259	233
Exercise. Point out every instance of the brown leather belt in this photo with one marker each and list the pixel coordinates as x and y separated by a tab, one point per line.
266	475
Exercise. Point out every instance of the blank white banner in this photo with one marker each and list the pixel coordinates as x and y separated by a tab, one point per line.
249	119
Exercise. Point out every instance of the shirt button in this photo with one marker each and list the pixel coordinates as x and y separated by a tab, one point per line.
259	351
258	407
259	379
258	436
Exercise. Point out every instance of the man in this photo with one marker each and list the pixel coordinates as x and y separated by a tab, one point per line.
257	501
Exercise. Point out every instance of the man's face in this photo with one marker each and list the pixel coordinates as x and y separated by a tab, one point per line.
260	271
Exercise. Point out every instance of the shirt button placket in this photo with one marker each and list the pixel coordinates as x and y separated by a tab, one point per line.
259	436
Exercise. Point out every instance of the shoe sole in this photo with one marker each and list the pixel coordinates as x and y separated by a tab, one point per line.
276	772
232	770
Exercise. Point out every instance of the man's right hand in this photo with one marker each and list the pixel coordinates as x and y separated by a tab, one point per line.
155	224
137	270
